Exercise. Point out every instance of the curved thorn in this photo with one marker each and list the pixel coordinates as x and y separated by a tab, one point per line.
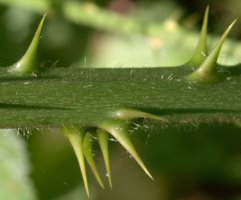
87	149
118	130
75	137
201	50
129	114
27	64
102	137
207	71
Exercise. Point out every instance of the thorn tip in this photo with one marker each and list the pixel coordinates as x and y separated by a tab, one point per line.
207	71
119	130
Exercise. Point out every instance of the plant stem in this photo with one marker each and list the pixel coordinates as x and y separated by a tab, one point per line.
74	96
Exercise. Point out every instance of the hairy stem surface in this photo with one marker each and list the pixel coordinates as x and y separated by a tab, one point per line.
75	96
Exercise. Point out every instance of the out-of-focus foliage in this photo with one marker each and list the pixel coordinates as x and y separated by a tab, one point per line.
15	168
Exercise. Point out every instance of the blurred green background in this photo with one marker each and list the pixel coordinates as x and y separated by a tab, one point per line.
188	163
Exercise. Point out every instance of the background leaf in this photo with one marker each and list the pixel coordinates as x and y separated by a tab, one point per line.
15	182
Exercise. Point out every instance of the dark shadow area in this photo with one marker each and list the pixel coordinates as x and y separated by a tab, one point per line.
27	107
29	78
234	70
170	111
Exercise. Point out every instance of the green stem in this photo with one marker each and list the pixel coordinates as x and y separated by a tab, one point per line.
74	96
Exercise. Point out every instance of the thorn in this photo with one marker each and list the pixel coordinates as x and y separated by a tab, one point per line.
118	129
28	64
75	137
129	114
201	50
102	137
207	71
87	149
